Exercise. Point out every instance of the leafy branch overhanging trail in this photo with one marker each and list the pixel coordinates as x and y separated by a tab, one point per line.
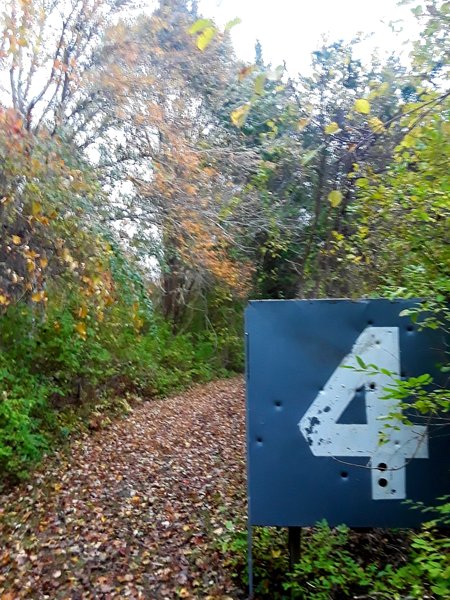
134	510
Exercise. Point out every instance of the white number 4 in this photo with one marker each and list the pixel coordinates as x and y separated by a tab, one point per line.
326	437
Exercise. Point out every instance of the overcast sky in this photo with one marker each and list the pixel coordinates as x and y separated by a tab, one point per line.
292	29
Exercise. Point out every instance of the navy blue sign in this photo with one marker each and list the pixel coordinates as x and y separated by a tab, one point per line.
320	442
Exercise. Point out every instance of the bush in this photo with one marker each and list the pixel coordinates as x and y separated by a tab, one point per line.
337	563
53	373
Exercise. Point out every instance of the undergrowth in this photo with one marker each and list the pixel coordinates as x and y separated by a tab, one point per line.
53	380
338	563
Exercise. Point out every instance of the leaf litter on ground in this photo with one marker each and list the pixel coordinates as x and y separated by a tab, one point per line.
133	510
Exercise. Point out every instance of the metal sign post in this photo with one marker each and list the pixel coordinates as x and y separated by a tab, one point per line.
320	443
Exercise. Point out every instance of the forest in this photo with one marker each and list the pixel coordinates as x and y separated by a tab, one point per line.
151	183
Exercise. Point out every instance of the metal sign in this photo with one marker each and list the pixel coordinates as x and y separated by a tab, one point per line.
320	443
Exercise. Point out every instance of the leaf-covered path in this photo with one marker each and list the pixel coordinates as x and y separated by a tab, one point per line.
135	510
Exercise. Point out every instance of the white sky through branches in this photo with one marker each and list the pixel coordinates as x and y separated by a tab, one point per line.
291	29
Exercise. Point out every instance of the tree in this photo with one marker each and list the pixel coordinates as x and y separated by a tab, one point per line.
167	151
48	64
44	193
311	137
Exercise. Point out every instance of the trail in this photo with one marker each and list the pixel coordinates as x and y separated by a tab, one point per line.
135	510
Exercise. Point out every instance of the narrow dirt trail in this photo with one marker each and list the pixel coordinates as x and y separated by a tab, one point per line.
133	511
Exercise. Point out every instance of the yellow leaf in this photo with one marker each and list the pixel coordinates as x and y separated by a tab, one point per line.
276	553
82	312
332	128
16	239
376	125
30	266
409	141
199	26
205	38
43	262
4	301
362	182
362	106
302	124
259	84
183	593
30	253
232	23
138	323
239	116
335	198
38	296
68	258
35	165
36	208
81	329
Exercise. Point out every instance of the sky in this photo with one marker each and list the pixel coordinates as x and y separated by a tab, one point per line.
291	29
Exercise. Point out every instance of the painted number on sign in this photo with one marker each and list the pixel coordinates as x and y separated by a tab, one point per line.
401	443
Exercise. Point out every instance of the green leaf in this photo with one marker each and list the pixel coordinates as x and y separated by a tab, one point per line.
205	38
233	23
335	198
360	362
362	182
362	106
307	158
332	128
200	25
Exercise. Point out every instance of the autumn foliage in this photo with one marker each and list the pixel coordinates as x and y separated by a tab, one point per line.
150	183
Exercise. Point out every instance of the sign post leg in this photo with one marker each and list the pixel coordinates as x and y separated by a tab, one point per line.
294	543
250	560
